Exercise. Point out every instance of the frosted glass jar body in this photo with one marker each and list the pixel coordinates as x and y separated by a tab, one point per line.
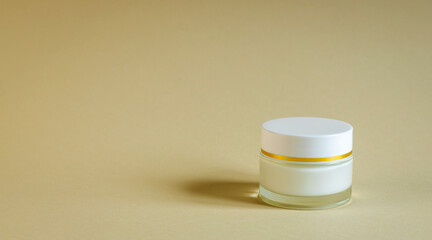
301	185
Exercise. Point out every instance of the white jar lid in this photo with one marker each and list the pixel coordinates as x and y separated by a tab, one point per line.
295	138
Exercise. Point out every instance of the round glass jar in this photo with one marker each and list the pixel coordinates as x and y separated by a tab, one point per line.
306	163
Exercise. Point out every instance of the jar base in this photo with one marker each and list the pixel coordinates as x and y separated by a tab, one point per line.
304	202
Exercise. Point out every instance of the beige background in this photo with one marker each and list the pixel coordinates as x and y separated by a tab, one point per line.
141	120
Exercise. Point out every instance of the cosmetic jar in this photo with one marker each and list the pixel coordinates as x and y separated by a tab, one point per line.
306	163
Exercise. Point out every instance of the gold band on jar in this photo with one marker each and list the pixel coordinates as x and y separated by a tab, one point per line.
298	159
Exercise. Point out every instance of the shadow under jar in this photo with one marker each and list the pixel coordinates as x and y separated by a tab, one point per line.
306	163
